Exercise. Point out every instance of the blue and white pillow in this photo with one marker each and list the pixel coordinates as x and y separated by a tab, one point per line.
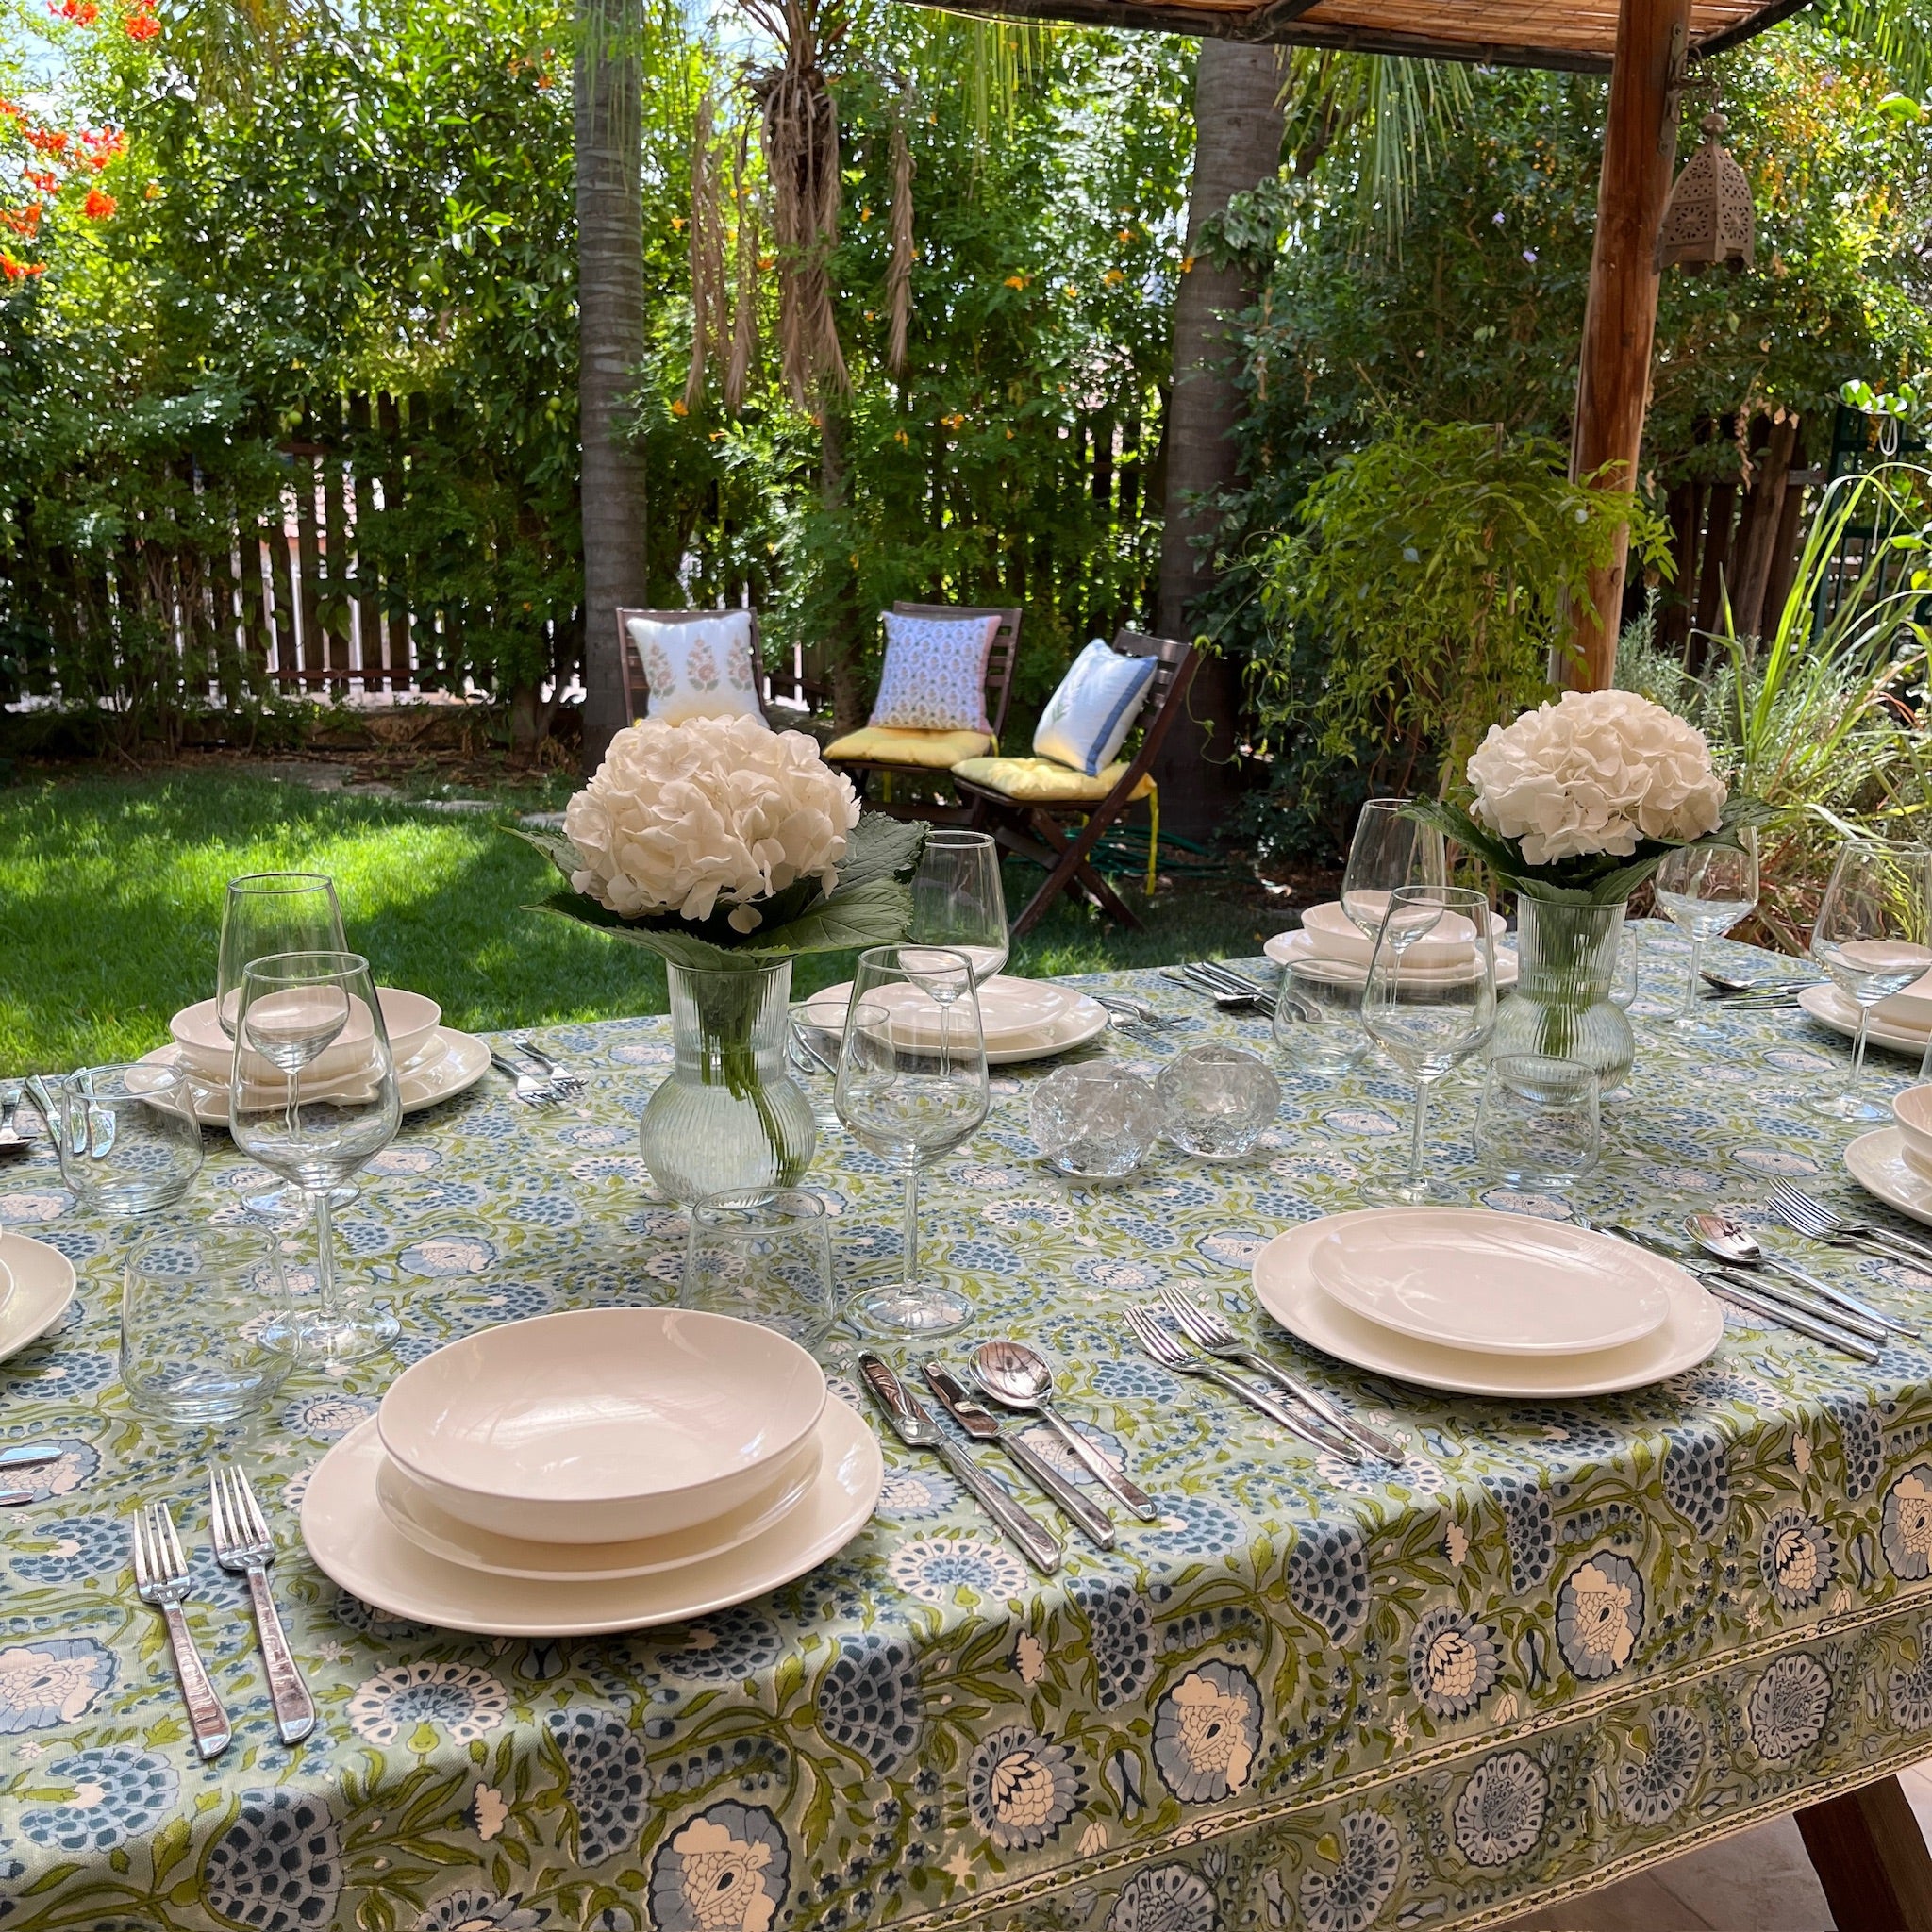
1086	720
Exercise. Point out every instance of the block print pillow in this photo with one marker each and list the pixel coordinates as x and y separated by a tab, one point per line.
699	667
1086	720
934	677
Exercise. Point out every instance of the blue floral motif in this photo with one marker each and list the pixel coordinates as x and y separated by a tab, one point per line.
327	1417
1499	1813
1797	1557
910	1494
1193	1526
869	1701
725	1648
936	1569
458	1700
68	1549
1452	1662
1126	1276
1530	1525
1328	1578
1909	1689
1600	1615
1165	1898
444	1257
1861	1442
1348	1896
1788	1707
114	1793
609	1783
1906	1528
1118	1632
1129	1381
1207	1730
725	1870
51	1682
279	1867
1022	1788
1654	1785
982	1258
470	1908
1697	1479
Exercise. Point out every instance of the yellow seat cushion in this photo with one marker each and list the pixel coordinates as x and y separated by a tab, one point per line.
1040	781
939	750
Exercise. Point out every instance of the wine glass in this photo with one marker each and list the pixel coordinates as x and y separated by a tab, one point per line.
958	900
268	912
316	1124
1706	890
1428	1020
1871	937
912	1085
1387	852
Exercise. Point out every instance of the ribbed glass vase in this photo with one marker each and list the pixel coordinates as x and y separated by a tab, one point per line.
729	1115
1566	965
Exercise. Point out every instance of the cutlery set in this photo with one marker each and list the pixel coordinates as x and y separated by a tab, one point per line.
23	1455
240	1537
544	1083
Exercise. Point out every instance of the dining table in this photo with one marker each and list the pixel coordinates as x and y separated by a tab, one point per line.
1558	1642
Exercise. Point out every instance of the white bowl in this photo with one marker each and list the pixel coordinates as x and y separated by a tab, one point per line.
410	1018
1912	1110
1451	943
1913	1008
602	1424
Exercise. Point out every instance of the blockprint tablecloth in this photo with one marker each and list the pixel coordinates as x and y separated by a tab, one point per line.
1563	1639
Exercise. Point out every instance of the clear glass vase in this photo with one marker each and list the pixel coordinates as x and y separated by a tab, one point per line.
729	1115
1566	964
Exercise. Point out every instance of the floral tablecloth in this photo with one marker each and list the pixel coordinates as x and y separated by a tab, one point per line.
1562	1641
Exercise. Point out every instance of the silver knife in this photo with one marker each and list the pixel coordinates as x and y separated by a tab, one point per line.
916	1428
1840	1298
981	1423
30	1454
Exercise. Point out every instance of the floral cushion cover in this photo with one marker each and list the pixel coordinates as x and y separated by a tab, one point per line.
698	667
934	677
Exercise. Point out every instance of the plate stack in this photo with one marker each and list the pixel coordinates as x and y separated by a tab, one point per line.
1903	1023
1486	1304
433	1061
1023	1019
602	1470
1329	936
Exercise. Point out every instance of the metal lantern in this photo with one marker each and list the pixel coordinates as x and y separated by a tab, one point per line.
1708	217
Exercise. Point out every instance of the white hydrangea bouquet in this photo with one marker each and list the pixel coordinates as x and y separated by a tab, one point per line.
729	850
1578	802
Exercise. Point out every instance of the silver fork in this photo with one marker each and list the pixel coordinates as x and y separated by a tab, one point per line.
240	1534
1206	1328
560	1077
533	1090
161	1579
1799	1210
1156	1341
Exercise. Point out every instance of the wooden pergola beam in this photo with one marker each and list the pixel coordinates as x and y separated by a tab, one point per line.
1619	321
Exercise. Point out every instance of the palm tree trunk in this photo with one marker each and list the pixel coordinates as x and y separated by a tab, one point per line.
1237	128
611	344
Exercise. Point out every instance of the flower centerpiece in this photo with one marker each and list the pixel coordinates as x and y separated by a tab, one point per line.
728	850
1574	806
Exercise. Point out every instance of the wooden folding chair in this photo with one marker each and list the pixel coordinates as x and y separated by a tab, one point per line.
1044	829
637	687
1000	660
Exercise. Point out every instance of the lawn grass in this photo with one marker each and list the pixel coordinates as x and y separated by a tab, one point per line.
110	896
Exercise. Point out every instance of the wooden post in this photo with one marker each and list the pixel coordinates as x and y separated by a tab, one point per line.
1871	1859
1613	373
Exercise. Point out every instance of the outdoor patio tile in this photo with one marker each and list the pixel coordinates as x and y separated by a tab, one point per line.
1632	1905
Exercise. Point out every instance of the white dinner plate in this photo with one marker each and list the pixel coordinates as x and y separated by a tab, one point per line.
1830	1007
1010	1011
354	1543
1877	1162
1299	947
1499	1284
1080	1020
415	1512
1286	1287
451	1064
43	1281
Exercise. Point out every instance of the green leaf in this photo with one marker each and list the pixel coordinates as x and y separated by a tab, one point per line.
553	845
682	948
874	913
881	847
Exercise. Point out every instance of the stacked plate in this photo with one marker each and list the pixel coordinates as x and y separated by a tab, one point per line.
433	1061
36	1285
597	1471
1329	936
1903	1023
1023	1019
1486	1304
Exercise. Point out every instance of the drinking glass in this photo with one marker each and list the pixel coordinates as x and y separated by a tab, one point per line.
912	1085
765	1256
1389	851
958	900
1706	890
128	1137
314	1132
812	1053
1318	1016
1871	937
1428	1021
1628	982
205	1336
1538	1127
269	913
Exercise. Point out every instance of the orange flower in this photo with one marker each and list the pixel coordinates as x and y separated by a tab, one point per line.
1112	276
12	111
46	140
141	25
15	270
1018	281
1127	235
97	207
41	179
679	408
25	221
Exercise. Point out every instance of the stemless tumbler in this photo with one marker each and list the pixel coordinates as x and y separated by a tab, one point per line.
765	1256
1538	1127
204	1325
128	1136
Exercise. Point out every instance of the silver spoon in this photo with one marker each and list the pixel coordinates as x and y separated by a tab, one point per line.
1015	1378
1729	1241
